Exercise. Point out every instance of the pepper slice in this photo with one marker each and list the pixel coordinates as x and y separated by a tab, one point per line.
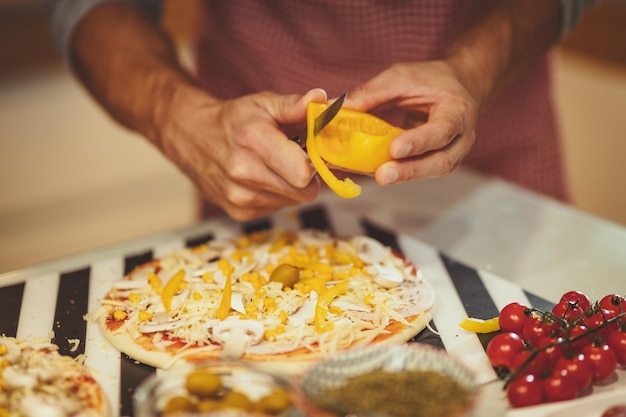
323	302
353	140
480	326
172	286
224	307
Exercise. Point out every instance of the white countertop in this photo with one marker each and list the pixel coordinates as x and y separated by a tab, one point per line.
543	245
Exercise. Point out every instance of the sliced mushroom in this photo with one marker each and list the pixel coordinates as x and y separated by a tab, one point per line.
370	250
236	335
387	275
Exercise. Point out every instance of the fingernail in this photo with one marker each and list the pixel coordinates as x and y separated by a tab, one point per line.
402	151
390	176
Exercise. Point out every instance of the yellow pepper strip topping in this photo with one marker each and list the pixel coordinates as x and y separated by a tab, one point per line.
154	280
171	288
346	188
224	307
479	325
323	302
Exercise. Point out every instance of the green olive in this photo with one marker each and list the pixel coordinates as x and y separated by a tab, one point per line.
238	400
206	405
203	383
274	403
286	274
178	404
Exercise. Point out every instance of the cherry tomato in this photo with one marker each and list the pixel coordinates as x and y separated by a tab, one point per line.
513	317
525	391
579	367
613	302
594	321
568	311
580	337
537	366
617	341
560	386
536	328
603	360
579	298
550	354
503	348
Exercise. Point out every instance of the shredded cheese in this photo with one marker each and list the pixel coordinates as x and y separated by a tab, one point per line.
187	292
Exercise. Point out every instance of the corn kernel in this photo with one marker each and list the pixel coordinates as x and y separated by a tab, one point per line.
283	316
279	329
145	316
250	309
154	280
244	242
133	297
236	256
269	304
369	299
197	296
3	349
269	334
207	277
119	315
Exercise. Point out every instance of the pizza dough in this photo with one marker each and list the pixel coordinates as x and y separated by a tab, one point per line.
277	297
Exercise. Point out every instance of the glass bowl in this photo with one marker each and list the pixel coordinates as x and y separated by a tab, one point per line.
215	388
389	381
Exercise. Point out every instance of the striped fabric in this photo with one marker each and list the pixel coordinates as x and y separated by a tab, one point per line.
290	46
57	301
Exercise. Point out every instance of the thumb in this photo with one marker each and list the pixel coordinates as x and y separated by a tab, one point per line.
294	108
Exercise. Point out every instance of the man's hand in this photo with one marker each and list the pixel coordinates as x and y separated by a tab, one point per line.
500	41
235	153
441	118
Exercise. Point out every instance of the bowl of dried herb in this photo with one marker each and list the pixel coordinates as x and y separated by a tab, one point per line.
410	380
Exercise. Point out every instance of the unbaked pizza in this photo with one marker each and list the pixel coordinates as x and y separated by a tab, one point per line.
280	297
37	381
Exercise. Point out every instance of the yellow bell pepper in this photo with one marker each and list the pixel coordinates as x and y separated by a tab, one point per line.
224	307
353	140
172	286
323	302
480	326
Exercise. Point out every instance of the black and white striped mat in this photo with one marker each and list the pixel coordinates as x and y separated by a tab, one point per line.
56	302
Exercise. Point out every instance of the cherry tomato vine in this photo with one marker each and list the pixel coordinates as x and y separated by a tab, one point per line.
556	355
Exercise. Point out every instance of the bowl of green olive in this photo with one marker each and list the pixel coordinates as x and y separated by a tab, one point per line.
215	388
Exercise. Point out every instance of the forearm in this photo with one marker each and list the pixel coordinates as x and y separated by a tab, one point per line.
128	64
501	41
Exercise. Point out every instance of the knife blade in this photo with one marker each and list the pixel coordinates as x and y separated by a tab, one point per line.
321	121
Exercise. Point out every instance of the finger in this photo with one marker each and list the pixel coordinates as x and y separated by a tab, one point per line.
292	109
428	165
381	89
278	157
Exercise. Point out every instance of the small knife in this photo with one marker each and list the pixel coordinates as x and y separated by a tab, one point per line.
321	121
